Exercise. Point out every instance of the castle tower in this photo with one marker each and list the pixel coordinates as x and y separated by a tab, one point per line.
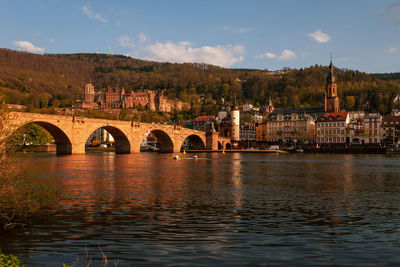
235	117
331	97
152	100
88	93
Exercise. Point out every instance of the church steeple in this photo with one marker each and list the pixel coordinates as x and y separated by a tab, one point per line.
270	107
331	77
331	96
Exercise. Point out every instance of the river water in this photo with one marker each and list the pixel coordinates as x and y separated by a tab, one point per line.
221	209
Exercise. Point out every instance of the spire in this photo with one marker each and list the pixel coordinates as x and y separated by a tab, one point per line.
331	77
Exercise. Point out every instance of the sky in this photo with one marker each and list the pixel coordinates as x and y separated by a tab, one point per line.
362	35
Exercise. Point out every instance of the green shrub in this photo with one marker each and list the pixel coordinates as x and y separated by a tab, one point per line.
9	261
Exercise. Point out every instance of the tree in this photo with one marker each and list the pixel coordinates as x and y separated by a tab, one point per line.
350	102
31	134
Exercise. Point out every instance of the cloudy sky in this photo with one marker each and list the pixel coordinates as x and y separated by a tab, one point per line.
265	34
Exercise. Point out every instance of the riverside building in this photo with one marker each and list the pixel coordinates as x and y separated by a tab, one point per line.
331	128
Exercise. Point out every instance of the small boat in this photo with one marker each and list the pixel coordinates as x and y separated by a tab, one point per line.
175	156
299	150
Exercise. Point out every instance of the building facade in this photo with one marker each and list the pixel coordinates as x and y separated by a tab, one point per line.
204	123
116	98
331	128
372	129
390	130
288	129
248	132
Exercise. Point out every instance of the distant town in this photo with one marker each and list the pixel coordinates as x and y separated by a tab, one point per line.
320	128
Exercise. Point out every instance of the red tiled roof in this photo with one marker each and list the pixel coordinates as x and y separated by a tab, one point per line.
390	118
340	116
204	118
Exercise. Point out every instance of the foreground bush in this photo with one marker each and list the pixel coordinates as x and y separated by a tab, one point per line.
9	261
22	195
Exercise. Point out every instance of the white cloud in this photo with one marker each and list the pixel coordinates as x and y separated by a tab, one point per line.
319	36
130	42
27	46
219	55
238	30
126	41
287	54
392	50
141	37
85	9
266	55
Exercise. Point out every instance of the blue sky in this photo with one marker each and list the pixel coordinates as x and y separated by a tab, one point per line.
362	35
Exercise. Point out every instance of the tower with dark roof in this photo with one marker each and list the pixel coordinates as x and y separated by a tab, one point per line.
331	96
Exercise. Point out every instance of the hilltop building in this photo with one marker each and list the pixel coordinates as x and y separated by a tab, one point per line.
116	98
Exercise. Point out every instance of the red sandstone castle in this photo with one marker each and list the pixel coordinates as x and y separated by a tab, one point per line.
116	98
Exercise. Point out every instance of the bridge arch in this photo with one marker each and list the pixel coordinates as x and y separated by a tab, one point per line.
63	142
165	143
196	142
122	144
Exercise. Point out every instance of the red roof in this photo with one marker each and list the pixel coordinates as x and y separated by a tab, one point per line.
340	116
205	118
390	119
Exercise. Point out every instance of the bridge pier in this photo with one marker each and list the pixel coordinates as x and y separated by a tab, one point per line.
76	149
212	140
63	149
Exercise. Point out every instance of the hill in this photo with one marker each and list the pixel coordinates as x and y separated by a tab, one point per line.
58	79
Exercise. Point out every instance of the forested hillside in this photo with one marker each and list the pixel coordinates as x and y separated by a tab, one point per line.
57	79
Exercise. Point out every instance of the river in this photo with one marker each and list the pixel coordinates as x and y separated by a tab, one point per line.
221	209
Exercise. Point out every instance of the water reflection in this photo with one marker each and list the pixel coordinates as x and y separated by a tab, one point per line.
221	209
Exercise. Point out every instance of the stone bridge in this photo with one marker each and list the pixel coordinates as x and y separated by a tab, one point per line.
71	133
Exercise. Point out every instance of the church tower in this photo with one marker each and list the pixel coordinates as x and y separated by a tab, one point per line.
331	97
